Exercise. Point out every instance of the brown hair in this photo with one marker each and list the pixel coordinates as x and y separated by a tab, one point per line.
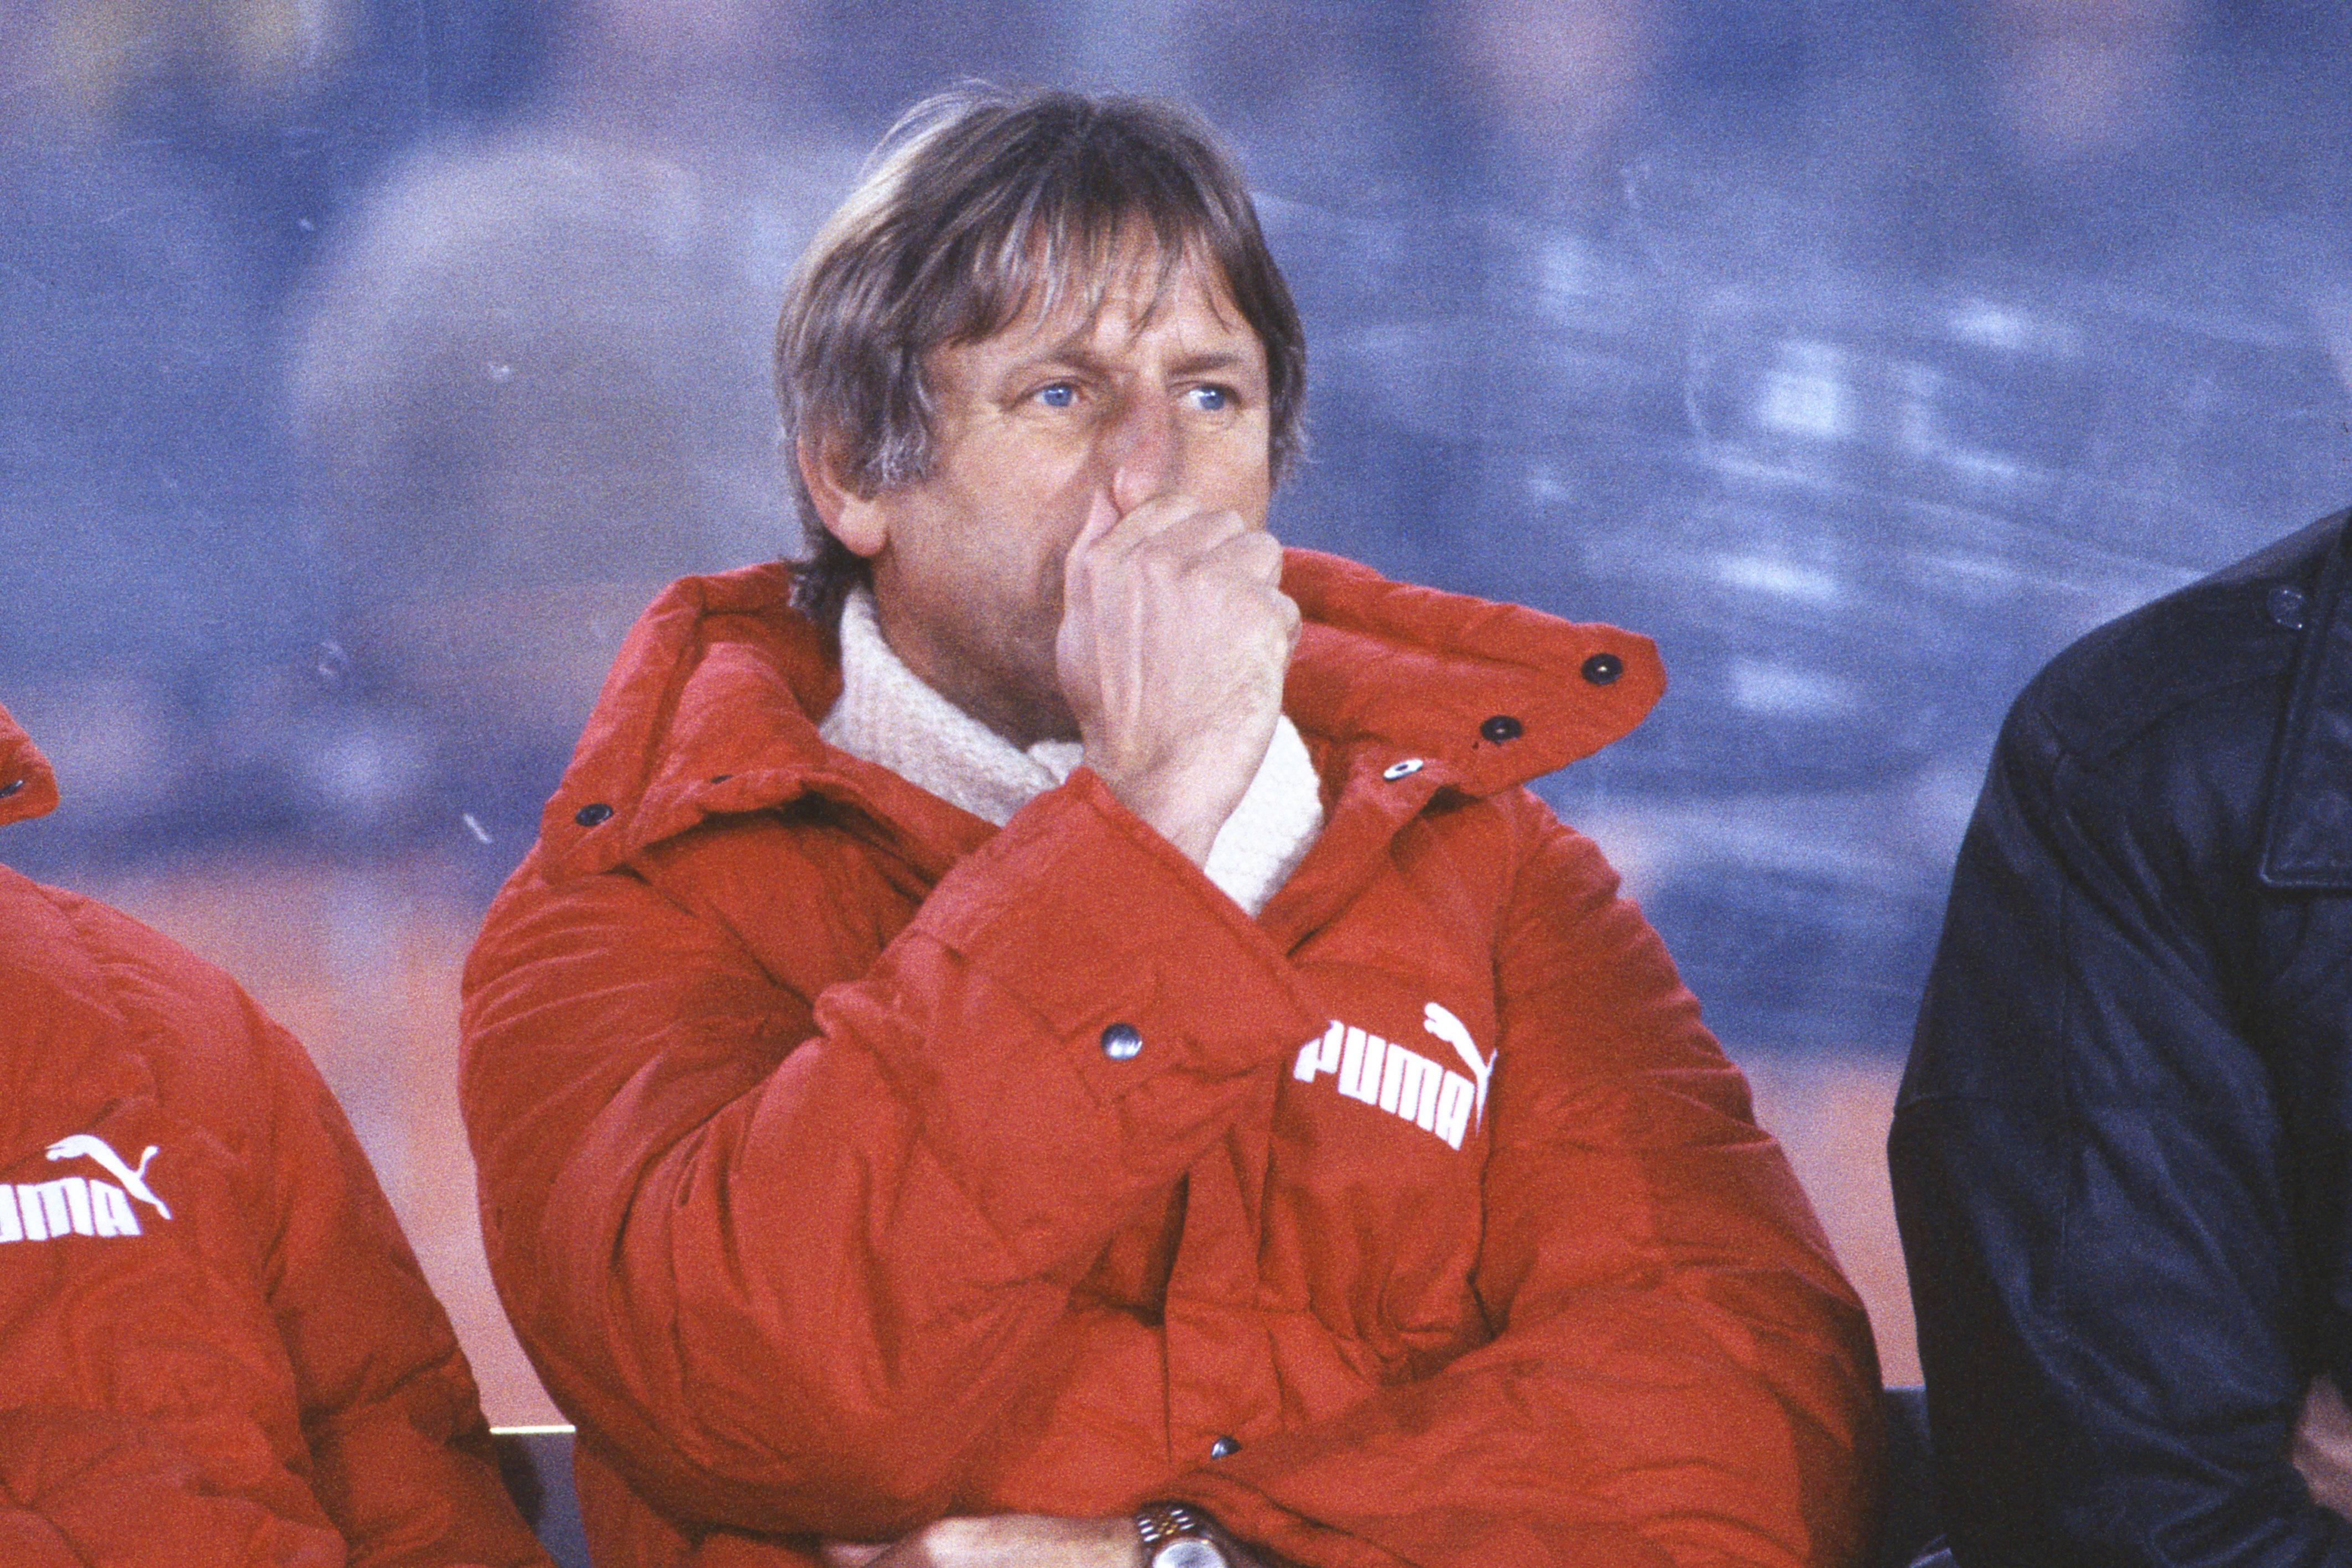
980	203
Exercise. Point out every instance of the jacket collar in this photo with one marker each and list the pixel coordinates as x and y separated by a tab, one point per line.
28	788
2307	833
712	705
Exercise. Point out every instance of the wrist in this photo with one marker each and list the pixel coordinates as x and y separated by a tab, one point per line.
1176	803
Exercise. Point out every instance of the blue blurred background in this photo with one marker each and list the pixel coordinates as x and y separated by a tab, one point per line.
369	363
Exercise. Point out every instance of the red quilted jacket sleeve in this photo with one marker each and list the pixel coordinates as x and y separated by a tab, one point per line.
399	1453
1680	1376
792	1256
245	1369
79	1486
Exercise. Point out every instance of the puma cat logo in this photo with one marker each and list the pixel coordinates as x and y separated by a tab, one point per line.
81	1146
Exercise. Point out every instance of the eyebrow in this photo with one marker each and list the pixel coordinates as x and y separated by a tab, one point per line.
1078	356
1215	360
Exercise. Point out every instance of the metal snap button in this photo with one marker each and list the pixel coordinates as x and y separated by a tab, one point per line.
10	788
1404	769
1503	726
1224	1447
2286	608
1602	668
588	816
1122	1042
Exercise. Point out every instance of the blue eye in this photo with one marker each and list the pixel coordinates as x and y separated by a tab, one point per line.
1211	400
1059	394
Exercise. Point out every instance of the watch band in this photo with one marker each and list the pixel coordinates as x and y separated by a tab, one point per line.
1175	1536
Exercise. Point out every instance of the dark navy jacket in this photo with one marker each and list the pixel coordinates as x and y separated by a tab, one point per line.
2120	1155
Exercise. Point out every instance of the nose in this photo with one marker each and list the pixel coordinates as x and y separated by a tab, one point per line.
1141	448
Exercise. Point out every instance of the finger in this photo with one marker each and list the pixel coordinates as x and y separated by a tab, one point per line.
1192	542
1176	524
1252	554
1101	517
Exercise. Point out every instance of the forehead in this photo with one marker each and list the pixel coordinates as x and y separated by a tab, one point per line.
1135	292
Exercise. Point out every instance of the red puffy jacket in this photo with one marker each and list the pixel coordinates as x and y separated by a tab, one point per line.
1428	1226
216	1349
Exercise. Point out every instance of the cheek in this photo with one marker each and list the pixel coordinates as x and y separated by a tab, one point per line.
998	557
1041	512
1241	474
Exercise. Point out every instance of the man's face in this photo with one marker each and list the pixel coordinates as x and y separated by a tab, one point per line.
1035	429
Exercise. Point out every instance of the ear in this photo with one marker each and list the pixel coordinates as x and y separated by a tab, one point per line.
855	519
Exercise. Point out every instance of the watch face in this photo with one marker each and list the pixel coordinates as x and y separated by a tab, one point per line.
1190	1552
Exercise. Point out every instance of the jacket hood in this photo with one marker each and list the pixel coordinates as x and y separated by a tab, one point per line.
28	788
712	703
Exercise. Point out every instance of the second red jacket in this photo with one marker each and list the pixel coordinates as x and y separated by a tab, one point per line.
215	1348
1427	1226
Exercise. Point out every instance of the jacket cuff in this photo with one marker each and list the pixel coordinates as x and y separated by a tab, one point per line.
1085	914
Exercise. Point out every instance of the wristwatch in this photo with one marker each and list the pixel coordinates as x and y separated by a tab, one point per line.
1175	1536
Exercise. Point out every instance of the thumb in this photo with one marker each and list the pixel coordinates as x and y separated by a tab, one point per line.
1102	516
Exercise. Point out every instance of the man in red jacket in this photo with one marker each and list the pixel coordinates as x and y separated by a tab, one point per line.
1054	1033
215	1348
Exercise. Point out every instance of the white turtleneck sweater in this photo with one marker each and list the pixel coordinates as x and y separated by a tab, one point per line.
891	717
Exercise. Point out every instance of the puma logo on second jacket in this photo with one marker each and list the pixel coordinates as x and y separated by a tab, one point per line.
80	1205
